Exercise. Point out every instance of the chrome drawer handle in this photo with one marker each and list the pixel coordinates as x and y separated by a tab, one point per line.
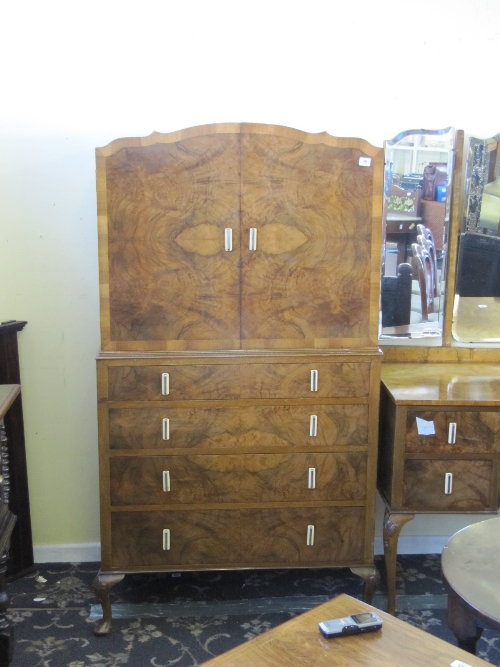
313	426
166	539
448	483
452	433
252	242
166	428
311	484
310	536
228	239
166	481
314	380
165	384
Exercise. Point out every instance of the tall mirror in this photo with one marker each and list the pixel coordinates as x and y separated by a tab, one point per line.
417	197
476	309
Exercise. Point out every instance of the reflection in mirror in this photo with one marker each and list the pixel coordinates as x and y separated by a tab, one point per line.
417	196
476	309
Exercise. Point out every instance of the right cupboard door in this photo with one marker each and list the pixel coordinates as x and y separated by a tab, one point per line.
306	211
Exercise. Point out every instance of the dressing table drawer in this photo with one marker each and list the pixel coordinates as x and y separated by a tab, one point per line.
448	485
457	432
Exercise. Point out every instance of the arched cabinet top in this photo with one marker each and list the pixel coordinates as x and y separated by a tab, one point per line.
238	128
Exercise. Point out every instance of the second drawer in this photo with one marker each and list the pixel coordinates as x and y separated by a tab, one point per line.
160	480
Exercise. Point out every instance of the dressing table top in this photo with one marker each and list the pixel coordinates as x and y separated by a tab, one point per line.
443	383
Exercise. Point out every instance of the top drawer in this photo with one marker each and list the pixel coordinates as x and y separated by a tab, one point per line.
454	432
238	381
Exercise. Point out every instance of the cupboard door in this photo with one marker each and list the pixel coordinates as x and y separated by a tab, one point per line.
238	538
308	278
165	480
167	279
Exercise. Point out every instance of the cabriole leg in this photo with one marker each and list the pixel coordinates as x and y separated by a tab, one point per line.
102	586
371	579
393	522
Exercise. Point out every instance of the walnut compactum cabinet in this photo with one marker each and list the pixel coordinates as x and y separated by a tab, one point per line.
238	380
439	445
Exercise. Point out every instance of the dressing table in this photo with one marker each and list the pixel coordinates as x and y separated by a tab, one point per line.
439	426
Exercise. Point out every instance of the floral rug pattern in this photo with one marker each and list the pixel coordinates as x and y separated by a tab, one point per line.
50	611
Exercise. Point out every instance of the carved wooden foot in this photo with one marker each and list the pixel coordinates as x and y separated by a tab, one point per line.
393	522
371	579
462	623
102	586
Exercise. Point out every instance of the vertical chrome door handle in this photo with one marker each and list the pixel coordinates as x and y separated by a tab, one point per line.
448	483
252	242
228	239
452	433
310	536
166	481
313	426
166	539
165	384
311	480
314	380
166	428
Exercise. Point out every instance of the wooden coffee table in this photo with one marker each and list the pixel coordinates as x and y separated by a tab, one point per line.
298	643
471	567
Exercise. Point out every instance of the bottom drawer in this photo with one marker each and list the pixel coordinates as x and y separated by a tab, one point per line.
425	485
240	537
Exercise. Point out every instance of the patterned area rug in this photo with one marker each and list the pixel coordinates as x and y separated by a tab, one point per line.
184	619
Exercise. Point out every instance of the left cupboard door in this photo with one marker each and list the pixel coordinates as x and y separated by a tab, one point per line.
169	237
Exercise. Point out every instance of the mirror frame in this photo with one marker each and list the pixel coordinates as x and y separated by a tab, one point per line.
453	178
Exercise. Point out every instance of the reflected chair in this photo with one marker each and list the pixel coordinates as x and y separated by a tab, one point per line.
427	242
423	265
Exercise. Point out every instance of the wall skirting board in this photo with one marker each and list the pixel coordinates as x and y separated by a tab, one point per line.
91	552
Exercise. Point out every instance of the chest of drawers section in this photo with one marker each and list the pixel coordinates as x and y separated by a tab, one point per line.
439	445
221	463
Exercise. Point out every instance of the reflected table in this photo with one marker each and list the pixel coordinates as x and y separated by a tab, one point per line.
471	571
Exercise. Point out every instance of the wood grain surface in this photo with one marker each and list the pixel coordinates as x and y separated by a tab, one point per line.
264	428
298	642
310	274
166	279
476	432
238	478
215	381
238	537
423	485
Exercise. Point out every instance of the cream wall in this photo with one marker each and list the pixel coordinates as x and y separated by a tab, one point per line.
78	75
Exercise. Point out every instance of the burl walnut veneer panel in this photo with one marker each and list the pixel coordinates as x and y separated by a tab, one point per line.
239	381
306	201
476	432
169	278
238	537
423	485
264	428
238	478
167	208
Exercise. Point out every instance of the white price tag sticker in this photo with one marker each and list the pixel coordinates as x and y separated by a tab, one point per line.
365	161
459	663
424	427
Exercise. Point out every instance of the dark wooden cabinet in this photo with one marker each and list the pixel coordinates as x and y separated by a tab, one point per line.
21	560
439	445
239	372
